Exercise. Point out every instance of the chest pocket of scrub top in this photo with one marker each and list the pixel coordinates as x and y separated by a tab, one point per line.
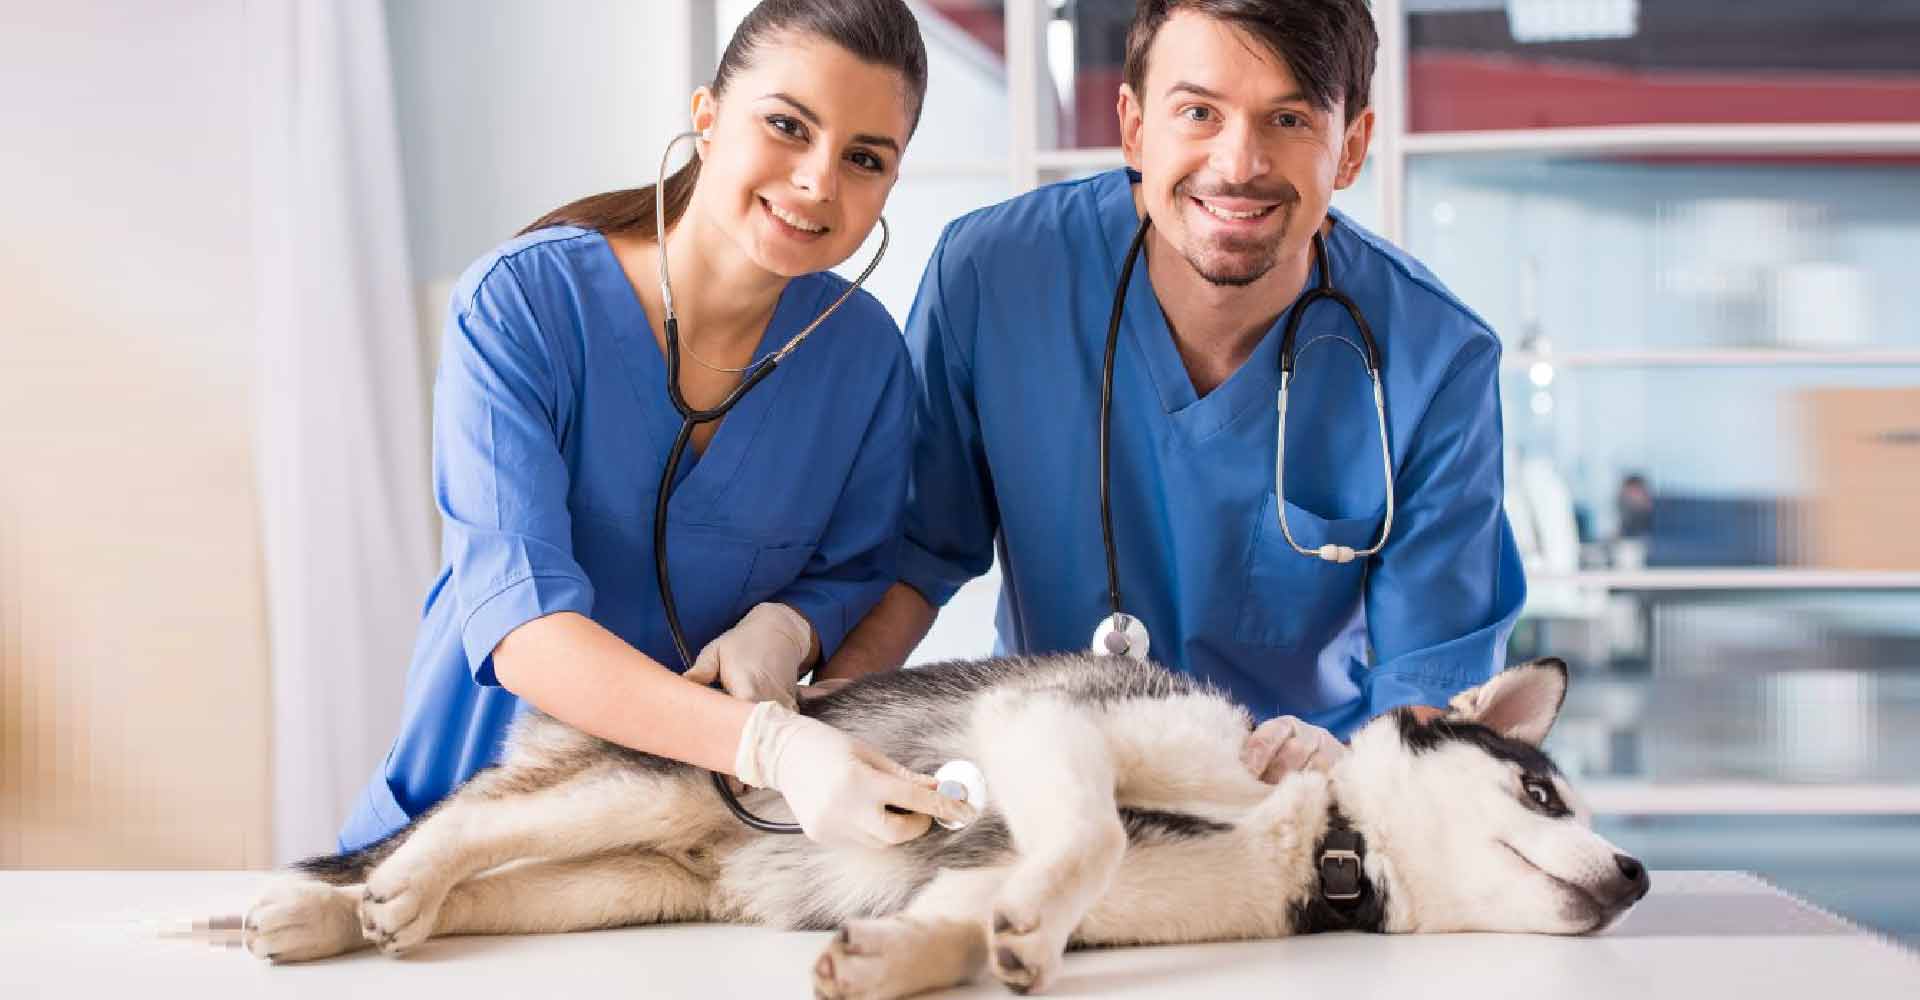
1292	600
710	566
774	567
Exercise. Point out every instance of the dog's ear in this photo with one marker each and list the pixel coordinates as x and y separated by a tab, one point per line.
1520	702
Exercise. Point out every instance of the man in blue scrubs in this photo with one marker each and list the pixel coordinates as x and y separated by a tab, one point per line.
1239	120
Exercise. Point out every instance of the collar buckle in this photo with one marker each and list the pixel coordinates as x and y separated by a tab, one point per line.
1332	860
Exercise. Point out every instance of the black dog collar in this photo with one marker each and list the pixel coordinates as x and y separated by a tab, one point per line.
1342	879
1341	860
1342	897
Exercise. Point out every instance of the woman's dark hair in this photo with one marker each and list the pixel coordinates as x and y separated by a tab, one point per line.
878	32
1328	44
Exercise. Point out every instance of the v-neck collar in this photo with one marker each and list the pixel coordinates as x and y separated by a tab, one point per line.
703	476
1195	418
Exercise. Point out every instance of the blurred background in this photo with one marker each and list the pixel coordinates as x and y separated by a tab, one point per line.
232	226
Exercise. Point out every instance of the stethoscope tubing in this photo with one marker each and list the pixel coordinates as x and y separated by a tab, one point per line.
1122	633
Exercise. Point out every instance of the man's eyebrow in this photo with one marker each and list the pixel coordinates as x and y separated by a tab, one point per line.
813	118
1184	87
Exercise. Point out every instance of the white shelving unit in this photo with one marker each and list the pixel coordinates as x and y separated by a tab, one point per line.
1395	150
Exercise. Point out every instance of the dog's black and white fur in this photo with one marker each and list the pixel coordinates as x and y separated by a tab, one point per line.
1120	814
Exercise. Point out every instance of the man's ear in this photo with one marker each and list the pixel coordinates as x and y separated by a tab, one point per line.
1353	149
1520	702
1127	106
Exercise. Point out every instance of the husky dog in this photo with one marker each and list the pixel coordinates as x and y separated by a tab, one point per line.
1119	813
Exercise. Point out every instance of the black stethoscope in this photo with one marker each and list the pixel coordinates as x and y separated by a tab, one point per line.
751	375
1122	634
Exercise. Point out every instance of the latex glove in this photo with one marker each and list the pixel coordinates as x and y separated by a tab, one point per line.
839	787
759	658
1284	745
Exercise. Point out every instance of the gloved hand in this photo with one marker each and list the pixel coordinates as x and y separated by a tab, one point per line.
759	658
1286	744
839	787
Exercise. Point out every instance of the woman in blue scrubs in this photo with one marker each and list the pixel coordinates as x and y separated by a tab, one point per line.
552	423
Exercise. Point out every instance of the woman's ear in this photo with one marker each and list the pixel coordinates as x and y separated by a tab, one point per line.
706	110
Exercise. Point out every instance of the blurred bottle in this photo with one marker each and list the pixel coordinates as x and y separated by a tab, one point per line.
1634	507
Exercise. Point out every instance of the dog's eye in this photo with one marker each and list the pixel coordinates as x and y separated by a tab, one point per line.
1541	794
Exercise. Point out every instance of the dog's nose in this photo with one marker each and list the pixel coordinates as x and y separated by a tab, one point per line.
1636	875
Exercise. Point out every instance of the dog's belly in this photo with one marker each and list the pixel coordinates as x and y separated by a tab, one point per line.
1200	889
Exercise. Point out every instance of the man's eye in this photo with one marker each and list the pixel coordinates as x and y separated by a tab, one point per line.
1287	119
1196	113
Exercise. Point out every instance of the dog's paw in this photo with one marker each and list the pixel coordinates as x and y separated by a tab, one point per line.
864	960
895	957
300	920
1023	951
398	913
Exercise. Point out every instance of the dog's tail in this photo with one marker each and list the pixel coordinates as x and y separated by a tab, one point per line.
352	867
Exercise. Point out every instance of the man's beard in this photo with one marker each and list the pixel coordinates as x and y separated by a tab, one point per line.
1236	263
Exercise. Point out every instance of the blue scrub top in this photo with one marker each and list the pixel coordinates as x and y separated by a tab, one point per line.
551	426
1008	333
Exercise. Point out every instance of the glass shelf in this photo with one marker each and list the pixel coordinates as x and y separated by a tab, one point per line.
1731	579
1728	798
1737	357
1643	257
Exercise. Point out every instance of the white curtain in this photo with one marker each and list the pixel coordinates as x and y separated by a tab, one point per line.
342	444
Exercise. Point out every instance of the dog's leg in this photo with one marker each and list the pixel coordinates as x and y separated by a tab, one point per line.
298	920
616	889
1051	773
484	826
939	940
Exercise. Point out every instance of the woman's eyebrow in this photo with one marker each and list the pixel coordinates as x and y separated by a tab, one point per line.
864	138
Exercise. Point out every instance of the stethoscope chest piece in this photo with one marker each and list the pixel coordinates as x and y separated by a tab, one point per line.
961	779
1121	635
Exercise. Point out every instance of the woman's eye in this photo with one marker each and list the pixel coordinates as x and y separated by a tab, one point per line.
787	126
868	161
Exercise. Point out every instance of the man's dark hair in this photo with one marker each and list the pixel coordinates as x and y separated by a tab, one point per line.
1328	44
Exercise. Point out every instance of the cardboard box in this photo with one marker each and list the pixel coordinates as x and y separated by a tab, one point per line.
1862	457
